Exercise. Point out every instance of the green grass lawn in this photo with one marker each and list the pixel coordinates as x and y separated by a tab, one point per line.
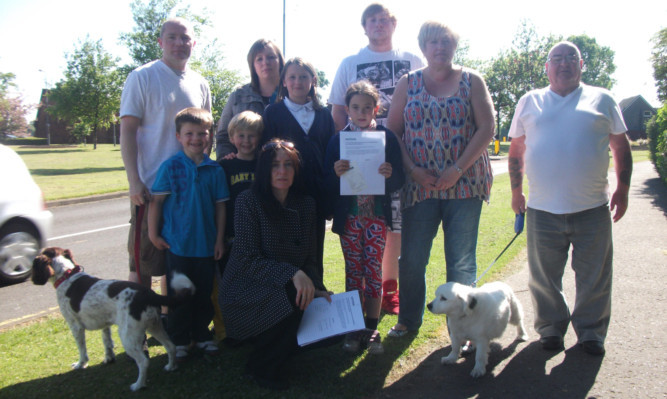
36	358
75	171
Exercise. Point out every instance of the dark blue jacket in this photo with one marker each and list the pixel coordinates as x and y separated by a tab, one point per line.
279	122
340	205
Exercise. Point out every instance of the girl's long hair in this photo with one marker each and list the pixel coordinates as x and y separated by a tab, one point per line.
312	94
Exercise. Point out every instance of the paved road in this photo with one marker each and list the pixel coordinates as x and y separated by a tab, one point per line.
636	361
96	232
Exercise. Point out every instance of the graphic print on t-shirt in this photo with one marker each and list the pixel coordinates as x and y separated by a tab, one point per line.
383	75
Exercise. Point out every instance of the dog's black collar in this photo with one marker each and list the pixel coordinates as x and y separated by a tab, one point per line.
67	275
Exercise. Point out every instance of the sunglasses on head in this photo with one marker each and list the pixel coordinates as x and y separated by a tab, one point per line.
278	144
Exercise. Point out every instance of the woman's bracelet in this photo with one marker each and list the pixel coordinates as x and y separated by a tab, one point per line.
412	168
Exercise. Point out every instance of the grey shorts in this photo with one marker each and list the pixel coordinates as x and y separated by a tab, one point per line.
139	246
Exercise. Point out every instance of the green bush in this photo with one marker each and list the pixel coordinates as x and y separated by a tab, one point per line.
656	130
25	141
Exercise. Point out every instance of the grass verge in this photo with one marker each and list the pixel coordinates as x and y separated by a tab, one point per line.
37	356
75	171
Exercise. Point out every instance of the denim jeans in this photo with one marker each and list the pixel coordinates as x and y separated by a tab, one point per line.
460	222
550	237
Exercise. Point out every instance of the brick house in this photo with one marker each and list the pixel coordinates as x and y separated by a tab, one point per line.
60	130
636	112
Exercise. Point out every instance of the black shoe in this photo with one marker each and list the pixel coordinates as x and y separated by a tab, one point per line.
552	343
595	348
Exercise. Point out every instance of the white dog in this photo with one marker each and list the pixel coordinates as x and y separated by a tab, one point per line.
88	303
477	314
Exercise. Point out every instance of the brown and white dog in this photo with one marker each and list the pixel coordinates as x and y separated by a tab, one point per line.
477	314
88	303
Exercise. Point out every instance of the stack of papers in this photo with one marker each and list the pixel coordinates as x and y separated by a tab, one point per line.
322	319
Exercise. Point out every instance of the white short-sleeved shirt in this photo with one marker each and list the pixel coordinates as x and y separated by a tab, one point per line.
155	93
381	69
567	146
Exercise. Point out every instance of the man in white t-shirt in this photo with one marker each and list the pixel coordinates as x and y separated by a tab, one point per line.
152	96
563	134
383	66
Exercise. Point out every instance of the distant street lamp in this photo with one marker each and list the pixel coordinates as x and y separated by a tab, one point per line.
46	105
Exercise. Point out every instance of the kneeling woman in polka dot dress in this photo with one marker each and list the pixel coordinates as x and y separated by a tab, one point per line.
271	275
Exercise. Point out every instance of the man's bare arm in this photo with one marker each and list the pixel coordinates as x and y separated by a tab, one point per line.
129	125
622	156
515	168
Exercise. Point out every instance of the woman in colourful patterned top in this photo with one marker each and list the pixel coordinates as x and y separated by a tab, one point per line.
443	115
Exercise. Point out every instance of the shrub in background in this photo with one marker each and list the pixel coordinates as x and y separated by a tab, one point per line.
25	141
656	131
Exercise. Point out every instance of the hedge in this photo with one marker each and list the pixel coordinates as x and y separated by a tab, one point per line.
656	131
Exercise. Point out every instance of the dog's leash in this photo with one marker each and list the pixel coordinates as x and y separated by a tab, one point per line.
518	228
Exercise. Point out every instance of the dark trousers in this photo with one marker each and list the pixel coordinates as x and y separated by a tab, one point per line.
274	347
189	321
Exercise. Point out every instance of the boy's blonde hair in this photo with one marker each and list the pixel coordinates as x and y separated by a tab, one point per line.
246	121
198	116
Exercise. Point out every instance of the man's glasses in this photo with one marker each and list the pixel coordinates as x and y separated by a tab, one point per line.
559	59
273	144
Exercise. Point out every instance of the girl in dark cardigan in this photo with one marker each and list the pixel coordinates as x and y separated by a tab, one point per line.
299	117
361	220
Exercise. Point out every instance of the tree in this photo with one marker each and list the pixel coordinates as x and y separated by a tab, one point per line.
322	81
6	81
13	115
656	130
659	61
12	110
598	61
142	41
517	70
220	80
89	95
461	56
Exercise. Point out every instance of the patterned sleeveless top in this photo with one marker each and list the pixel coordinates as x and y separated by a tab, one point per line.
437	131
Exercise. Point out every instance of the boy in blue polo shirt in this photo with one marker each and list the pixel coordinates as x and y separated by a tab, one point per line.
188	202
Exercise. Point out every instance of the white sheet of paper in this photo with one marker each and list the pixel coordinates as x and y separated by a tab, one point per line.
365	151
322	319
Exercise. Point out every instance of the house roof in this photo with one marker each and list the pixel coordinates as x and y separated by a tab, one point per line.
627	102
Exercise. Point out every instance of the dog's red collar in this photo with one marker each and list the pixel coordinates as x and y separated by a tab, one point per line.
67	275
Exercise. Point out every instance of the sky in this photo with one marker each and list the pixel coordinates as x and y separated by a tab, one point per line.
37	33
